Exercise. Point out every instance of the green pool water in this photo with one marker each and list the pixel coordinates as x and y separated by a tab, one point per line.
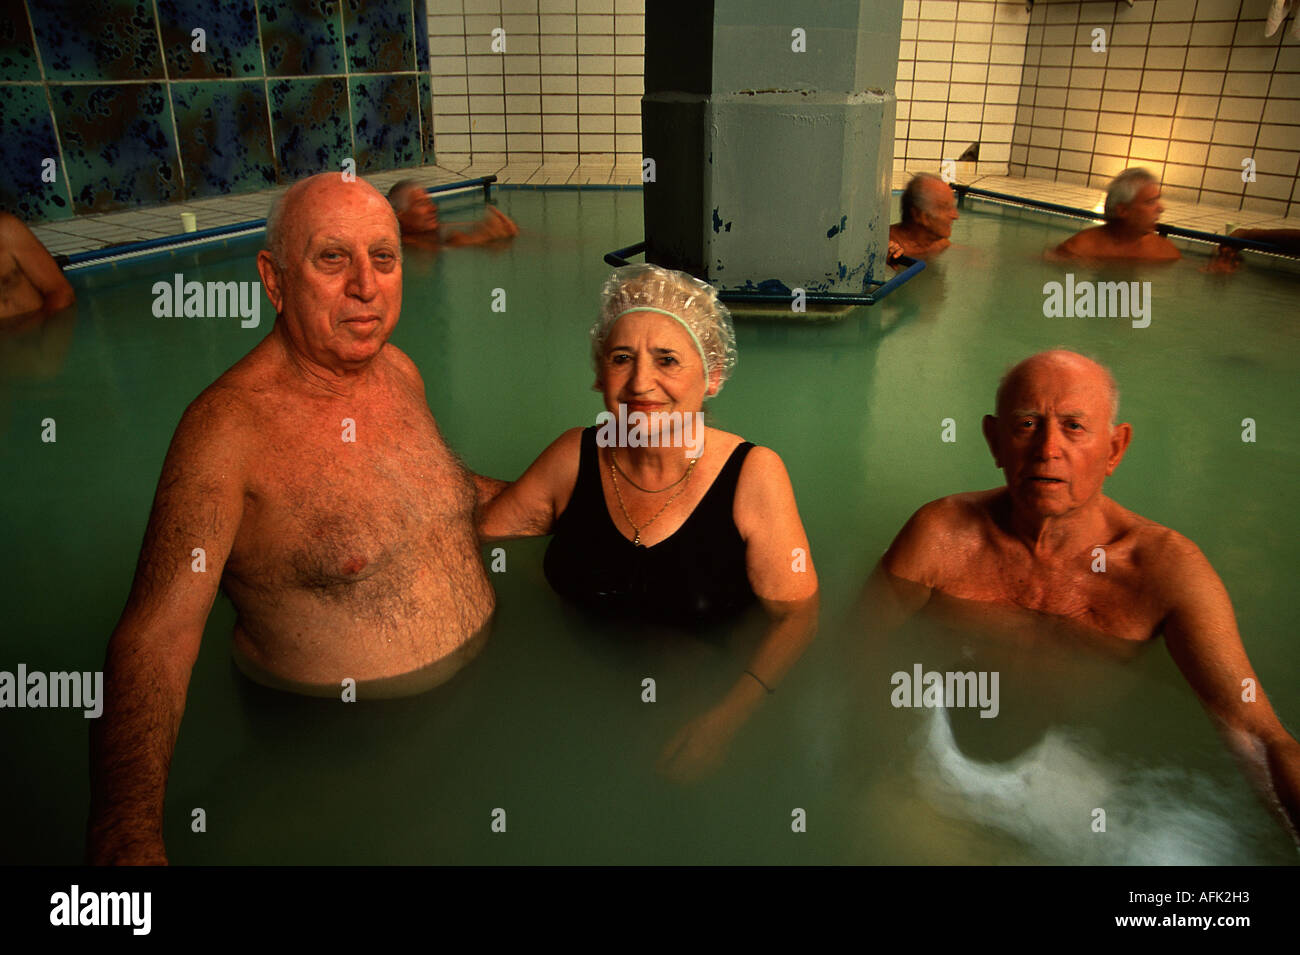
548	724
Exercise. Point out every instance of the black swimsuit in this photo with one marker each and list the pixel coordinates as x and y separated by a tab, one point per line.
695	577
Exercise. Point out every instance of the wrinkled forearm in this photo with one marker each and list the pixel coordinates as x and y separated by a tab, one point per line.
1284	773
1272	766
791	628
131	747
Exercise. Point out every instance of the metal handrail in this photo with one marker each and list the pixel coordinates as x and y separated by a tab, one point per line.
1165	230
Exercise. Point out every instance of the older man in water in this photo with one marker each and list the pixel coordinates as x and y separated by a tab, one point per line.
1035	545
1132	210
311	482
417	214
30	279
929	208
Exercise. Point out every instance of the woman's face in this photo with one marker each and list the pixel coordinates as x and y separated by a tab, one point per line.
652	365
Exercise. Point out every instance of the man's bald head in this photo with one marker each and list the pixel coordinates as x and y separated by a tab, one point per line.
924	192
304	194
1058	359
1055	437
332	270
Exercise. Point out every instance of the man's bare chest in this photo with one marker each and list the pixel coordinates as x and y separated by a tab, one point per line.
1097	588
344	502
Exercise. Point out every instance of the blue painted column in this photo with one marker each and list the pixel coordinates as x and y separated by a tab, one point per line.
771	128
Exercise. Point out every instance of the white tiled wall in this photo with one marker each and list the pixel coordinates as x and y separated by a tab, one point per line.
567	87
1186	88
959	73
570	82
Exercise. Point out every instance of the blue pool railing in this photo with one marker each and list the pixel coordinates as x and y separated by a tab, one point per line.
912	268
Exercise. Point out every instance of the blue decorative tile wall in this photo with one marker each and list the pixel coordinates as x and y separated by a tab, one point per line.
17	54
426	116
117	144
421	40
302	37
225	137
310	122
378	35
230	39
116	93
385	121
97	39
26	141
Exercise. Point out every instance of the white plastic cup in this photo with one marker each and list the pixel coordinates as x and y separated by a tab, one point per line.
189	222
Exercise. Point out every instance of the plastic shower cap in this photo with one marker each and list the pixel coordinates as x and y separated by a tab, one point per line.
693	303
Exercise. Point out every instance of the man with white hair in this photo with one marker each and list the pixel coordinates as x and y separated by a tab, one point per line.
929	208
311	483
1132	210
417	214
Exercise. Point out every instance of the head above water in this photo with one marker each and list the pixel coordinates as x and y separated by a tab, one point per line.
1054	435
680	298
929	202
1059	357
1133	198
332	270
415	210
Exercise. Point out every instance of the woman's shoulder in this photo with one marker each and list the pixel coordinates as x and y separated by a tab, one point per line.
723	439
762	469
570	438
558	463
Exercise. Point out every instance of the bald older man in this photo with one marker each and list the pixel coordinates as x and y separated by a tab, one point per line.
1132	210
1033	545
326	504
929	208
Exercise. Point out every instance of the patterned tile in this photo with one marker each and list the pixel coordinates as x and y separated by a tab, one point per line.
225	138
378	35
421	38
97	39
229	36
384	111
17	54
426	118
309	118
25	145
117	143
301	37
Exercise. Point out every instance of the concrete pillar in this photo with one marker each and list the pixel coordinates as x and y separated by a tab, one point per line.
771	128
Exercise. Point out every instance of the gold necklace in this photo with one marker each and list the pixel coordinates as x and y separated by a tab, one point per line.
613	456
613	476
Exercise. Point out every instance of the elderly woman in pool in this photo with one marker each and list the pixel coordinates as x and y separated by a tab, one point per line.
656	516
